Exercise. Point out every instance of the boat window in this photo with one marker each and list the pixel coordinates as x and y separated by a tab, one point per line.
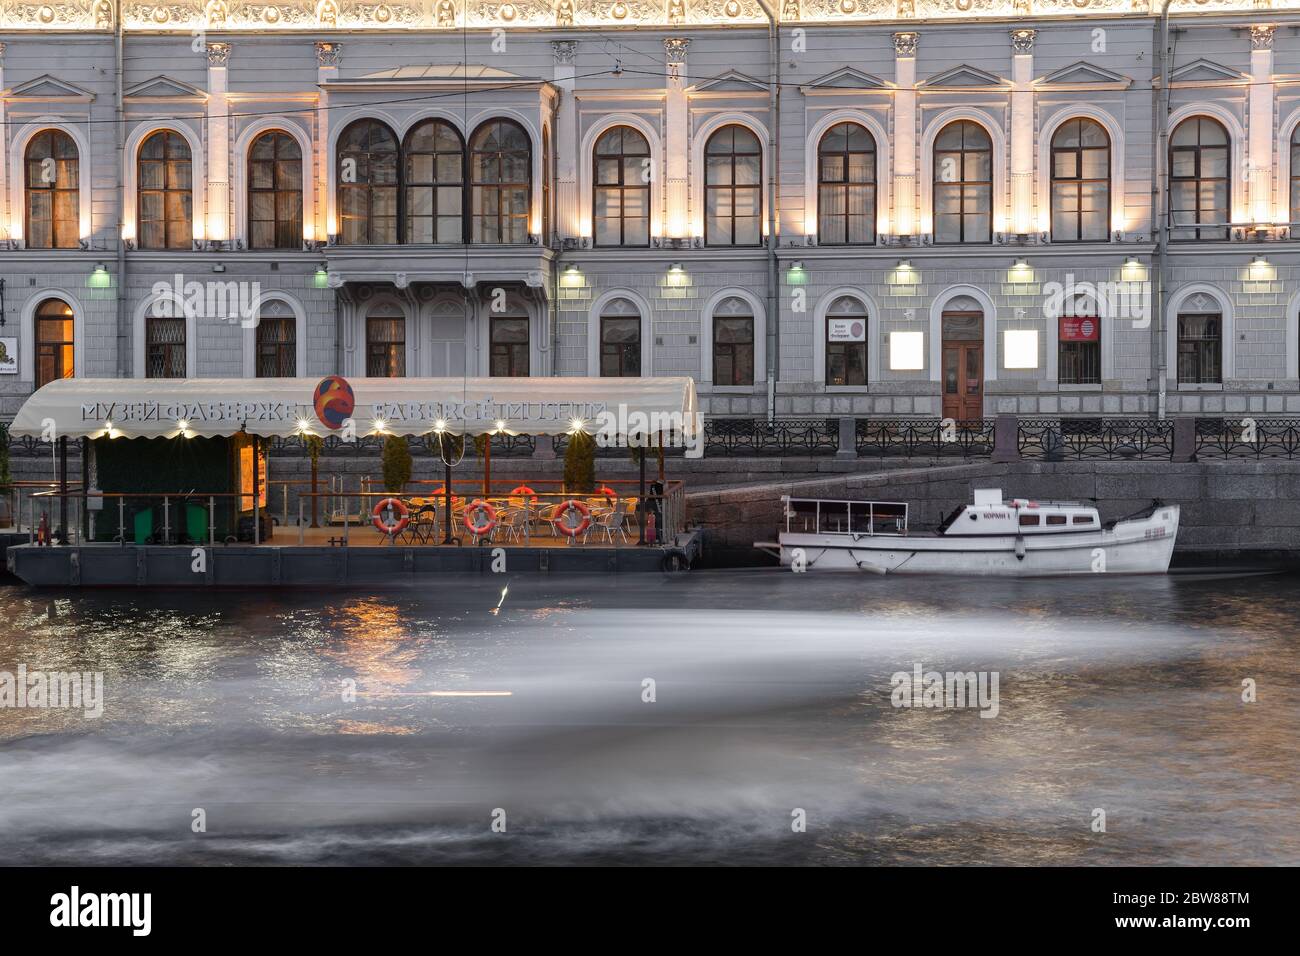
1056	519
1083	519
1027	521
834	517
860	515
803	516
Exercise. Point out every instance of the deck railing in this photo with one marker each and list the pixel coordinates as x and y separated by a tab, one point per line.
616	513
1050	438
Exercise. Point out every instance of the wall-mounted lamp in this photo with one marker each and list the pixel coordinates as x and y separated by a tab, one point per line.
572	276
1261	269
218	267
1133	270
675	267
99	277
322	277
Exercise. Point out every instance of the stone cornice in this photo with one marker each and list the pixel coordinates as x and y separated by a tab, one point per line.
433	15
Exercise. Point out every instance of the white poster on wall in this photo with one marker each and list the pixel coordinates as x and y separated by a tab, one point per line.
8	356
846	330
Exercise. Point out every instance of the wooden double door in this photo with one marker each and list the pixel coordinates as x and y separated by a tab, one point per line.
962	365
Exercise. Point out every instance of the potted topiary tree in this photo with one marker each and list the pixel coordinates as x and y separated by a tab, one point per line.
314	444
397	463
580	464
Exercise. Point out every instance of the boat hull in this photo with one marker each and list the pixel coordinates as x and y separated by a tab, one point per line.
1138	546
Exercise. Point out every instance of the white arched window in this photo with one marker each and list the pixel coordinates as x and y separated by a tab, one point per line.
846	342
620	339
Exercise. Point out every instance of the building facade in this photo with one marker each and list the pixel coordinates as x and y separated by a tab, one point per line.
888	208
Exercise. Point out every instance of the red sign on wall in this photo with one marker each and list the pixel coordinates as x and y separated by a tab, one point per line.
1080	329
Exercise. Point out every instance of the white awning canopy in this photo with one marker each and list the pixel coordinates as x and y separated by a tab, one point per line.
613	408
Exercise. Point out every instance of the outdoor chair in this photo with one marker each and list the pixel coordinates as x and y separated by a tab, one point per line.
609	524
423	528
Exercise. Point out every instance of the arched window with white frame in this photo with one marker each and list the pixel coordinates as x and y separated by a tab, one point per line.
368	184
55	341
165	197
1080	182
846	186
620	339
621	188
963	184
433	170
1200	186
53	213
275	192
734	339
501	183
846	342
733	188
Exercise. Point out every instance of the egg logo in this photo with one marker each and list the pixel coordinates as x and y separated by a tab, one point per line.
334	401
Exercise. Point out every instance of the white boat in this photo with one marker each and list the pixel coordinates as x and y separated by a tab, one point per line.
992	536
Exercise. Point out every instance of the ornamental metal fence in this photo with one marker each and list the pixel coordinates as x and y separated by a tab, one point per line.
1109	438
923	437
758	437
1248	437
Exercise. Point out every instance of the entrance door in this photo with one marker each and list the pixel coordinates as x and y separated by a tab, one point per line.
963	365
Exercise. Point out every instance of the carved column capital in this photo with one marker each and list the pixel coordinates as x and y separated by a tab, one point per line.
564	51
1022	41
218	54
1261	36
905	44
329	53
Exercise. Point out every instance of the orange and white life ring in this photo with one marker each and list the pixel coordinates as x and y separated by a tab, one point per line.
572	530
390	507
523	490
472	526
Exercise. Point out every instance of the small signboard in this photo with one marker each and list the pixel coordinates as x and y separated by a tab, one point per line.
8	356
846	330
1080	329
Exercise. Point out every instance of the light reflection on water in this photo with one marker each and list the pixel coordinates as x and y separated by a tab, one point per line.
772	693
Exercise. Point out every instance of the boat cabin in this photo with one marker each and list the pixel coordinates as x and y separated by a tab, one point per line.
821	516
991	515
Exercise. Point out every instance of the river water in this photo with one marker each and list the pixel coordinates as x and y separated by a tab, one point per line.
771	706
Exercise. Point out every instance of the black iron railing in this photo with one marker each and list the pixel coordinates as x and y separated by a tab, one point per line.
1111	438
923	437
781	436
1248	437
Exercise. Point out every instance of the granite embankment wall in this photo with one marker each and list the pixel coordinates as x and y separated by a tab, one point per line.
1231	509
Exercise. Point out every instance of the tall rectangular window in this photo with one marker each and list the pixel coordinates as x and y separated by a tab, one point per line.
509	347
1200	349
385	347
733	350
164	347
